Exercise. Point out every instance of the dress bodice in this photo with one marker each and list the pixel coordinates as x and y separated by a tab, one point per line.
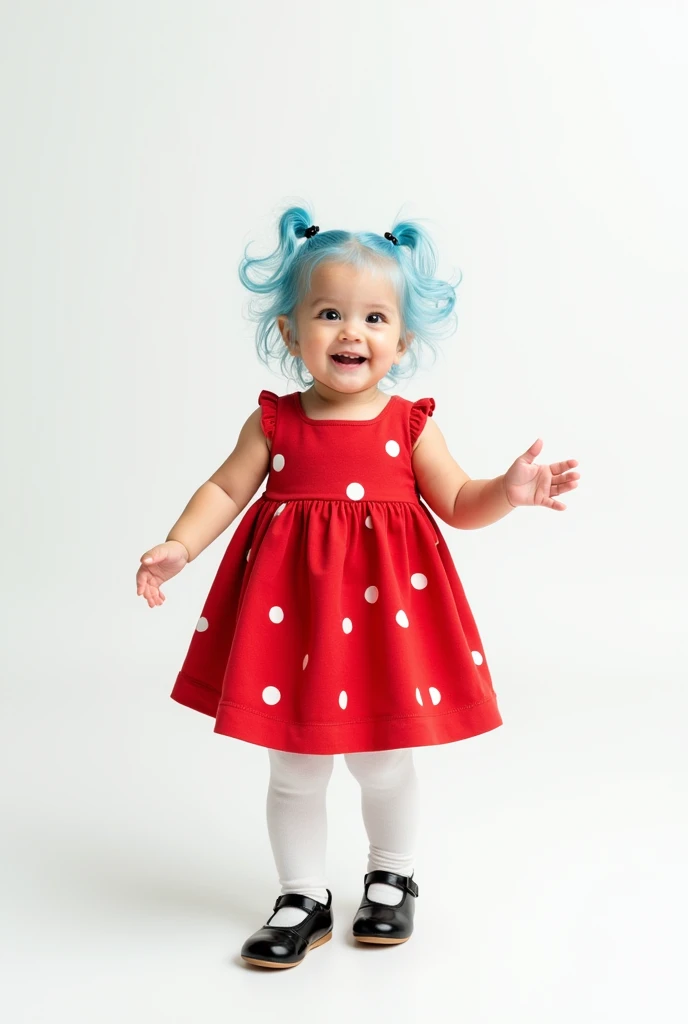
342	460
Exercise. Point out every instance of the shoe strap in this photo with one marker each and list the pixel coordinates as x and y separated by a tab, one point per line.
295	899
403	882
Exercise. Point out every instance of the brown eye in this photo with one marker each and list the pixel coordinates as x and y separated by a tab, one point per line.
327	311
378	314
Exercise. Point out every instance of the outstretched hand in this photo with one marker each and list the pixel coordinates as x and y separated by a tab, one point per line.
159	564
527	483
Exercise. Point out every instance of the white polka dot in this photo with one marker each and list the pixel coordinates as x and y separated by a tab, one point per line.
418	697
436	542
369	522
477	657
248	554
278	463
202	624
305	661
392	448
276	614
355	492
419	581
371	595
435	695
271	695
343	700
347	625
280	509
402	619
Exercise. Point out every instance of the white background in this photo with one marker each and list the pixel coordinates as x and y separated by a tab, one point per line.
144	144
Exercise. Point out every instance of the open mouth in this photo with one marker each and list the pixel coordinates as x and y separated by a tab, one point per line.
349	360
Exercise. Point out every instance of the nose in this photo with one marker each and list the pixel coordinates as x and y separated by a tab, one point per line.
349	331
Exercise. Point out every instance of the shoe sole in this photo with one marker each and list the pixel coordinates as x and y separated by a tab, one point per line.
295	963
384	942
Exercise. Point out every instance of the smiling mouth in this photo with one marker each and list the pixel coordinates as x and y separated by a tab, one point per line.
348	360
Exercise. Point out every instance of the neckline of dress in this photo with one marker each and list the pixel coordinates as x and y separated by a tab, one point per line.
311	419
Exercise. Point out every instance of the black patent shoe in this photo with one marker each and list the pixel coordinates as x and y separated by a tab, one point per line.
286	947
376	922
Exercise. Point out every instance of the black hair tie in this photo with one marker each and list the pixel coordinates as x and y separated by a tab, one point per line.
312	230
391	237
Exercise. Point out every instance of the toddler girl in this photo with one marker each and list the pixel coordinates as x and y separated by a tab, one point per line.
336	622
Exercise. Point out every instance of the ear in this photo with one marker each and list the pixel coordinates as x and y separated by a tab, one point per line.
292	344
402	346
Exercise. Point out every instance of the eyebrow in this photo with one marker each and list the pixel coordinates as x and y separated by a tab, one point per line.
373	305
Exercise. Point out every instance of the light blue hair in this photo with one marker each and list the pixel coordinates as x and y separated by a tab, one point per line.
282	280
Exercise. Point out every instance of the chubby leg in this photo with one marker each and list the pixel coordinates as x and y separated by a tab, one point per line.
391	807
297	826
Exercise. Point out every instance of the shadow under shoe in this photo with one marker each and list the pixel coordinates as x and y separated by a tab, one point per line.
377	922
286	947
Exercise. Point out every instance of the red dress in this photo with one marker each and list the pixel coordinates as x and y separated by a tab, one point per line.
336	621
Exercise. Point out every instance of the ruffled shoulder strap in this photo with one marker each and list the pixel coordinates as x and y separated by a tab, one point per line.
267	400
420	410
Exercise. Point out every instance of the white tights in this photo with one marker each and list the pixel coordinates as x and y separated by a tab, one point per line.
297	820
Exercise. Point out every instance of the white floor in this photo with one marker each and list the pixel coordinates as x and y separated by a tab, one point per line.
551	890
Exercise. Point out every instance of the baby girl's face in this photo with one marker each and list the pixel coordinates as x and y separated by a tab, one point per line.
347	327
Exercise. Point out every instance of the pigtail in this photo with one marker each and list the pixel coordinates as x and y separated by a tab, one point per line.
275	283
430	300
421	246
266	275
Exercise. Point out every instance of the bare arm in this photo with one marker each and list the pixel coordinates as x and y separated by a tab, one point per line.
457	499
226	493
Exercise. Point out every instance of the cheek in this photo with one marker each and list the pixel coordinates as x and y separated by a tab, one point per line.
319	339
386	347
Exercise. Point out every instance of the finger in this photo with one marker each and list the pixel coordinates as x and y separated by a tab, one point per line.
566	478
156	554
560	467
533	451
